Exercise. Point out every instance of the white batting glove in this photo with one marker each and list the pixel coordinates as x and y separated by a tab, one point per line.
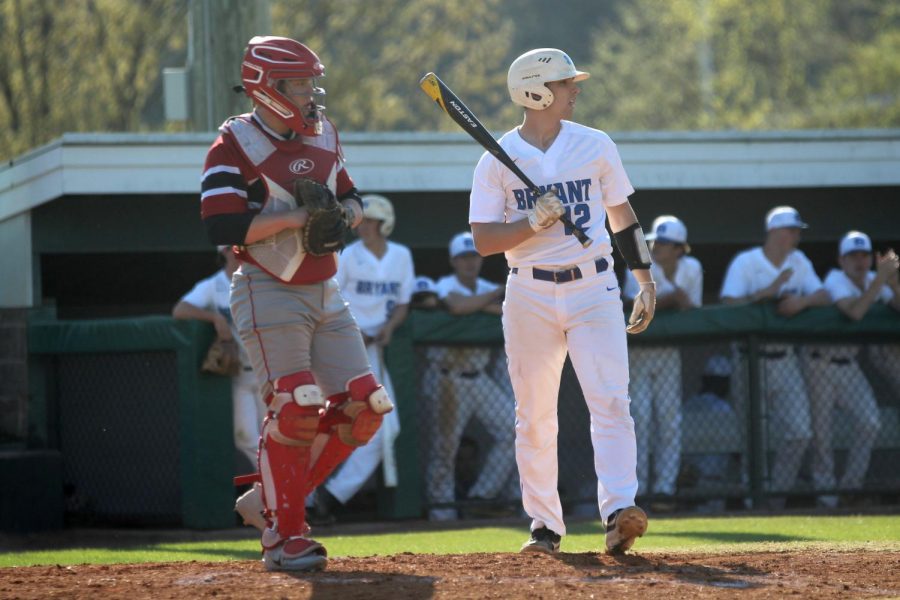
548	209
644	308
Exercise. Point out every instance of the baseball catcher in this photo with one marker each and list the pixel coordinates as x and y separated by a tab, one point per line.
322	399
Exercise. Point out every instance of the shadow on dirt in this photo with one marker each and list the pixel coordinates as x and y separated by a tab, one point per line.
600	567
365	585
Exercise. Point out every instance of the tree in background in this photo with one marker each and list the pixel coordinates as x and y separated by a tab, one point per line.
81	66
95	65
729	64
375	53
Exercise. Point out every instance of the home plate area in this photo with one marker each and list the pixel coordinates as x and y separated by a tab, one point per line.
809	573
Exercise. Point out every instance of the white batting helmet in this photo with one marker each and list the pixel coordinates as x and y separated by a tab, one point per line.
528	74
379	208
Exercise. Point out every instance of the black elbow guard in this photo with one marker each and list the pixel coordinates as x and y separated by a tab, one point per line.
633	246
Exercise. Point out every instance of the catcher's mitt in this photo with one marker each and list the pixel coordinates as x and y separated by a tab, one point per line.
327	225
222	358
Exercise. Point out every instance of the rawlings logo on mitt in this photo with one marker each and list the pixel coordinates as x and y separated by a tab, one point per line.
327	225
222	358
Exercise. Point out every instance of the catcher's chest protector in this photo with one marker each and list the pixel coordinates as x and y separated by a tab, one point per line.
278	164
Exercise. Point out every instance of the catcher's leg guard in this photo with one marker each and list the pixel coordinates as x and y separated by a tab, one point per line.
350	420
288	433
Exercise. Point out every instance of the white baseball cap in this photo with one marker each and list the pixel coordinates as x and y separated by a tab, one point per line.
784	216
462	243
855	241
668	228
424	284
717	366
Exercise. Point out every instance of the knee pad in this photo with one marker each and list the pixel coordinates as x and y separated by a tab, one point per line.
351	419
363	412
295	405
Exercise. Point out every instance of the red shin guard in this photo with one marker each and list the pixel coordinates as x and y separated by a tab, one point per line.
284	456
351	419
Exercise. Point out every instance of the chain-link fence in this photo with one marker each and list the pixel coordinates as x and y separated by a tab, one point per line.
719	424
119	435
145	438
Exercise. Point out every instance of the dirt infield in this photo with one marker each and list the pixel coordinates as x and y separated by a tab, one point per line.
801	574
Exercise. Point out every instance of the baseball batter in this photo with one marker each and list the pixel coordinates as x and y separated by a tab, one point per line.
834	376
778	272
656	371
561	297
302	340
376	277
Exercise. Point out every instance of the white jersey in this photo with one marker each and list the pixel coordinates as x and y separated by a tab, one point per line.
582	166
840	286
461	359
373	287
214	293
688	277
750	271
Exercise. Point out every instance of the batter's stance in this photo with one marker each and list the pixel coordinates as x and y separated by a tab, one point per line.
561	297
304	345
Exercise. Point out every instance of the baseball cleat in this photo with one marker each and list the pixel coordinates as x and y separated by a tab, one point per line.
623	527
542	540
250	506
295	554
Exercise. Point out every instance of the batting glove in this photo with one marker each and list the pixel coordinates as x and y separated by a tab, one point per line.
644	308
548	209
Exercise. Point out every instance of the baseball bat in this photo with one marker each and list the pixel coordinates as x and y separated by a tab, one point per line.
438	91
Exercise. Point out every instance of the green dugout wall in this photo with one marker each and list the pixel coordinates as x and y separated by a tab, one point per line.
122	414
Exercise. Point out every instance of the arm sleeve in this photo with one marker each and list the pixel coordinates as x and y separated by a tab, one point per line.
695	283
444	287
811	281
223	185
734	284
614	182
224	194
202	294
487	202
836	288
408	278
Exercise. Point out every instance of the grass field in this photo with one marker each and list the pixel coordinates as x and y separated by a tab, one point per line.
719	534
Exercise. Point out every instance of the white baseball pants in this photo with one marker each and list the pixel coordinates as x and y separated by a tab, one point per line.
542	321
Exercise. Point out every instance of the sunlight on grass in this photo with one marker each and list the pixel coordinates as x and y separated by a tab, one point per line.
722	534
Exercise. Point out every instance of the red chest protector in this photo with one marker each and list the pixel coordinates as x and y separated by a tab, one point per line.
277	163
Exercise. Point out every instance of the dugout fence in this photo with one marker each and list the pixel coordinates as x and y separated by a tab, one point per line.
760	442
141	437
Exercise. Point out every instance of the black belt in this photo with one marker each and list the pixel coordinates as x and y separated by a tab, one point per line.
463	374
770	355
837	360
563	276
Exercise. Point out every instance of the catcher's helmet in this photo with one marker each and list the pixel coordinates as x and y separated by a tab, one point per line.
379	208
270	59
528	74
